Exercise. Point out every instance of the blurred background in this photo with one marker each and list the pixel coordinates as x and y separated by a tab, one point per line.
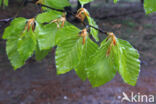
37	82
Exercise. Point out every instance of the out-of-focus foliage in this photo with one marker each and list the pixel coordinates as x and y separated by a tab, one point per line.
115	1
150	6
4	3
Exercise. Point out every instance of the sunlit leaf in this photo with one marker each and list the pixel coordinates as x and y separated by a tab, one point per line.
93	31
48	16
67	54
23	42
26	45
102	68
39	55
67	31
46	35
11	48
58	4
128	62
88	50
14	30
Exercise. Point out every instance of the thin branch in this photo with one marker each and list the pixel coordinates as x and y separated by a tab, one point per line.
72	13
10	19
100	30
6	20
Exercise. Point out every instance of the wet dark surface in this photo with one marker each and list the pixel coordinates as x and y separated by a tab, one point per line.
37	82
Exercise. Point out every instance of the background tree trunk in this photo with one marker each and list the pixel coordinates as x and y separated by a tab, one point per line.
142	1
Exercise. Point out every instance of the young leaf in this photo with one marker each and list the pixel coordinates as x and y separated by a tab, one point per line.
150	6
39	55
46	35
15	29
67	54
26	44
82	14
58	4
23	40
88	50
67	31
84	1
102	68
93	31
13	55
128	62
48	16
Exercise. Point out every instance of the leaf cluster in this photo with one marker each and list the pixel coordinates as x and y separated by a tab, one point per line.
75	49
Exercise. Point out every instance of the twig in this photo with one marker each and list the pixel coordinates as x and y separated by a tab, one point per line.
100	30
72	13
6	20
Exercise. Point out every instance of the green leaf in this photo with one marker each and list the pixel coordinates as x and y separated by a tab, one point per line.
46	35
122	56
150	6
15	29
13	55
84	1
48	16
115	1
67	31
128	62
26	44
93	31
58	4
102	68
39	55
67	54
23	42
87	51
